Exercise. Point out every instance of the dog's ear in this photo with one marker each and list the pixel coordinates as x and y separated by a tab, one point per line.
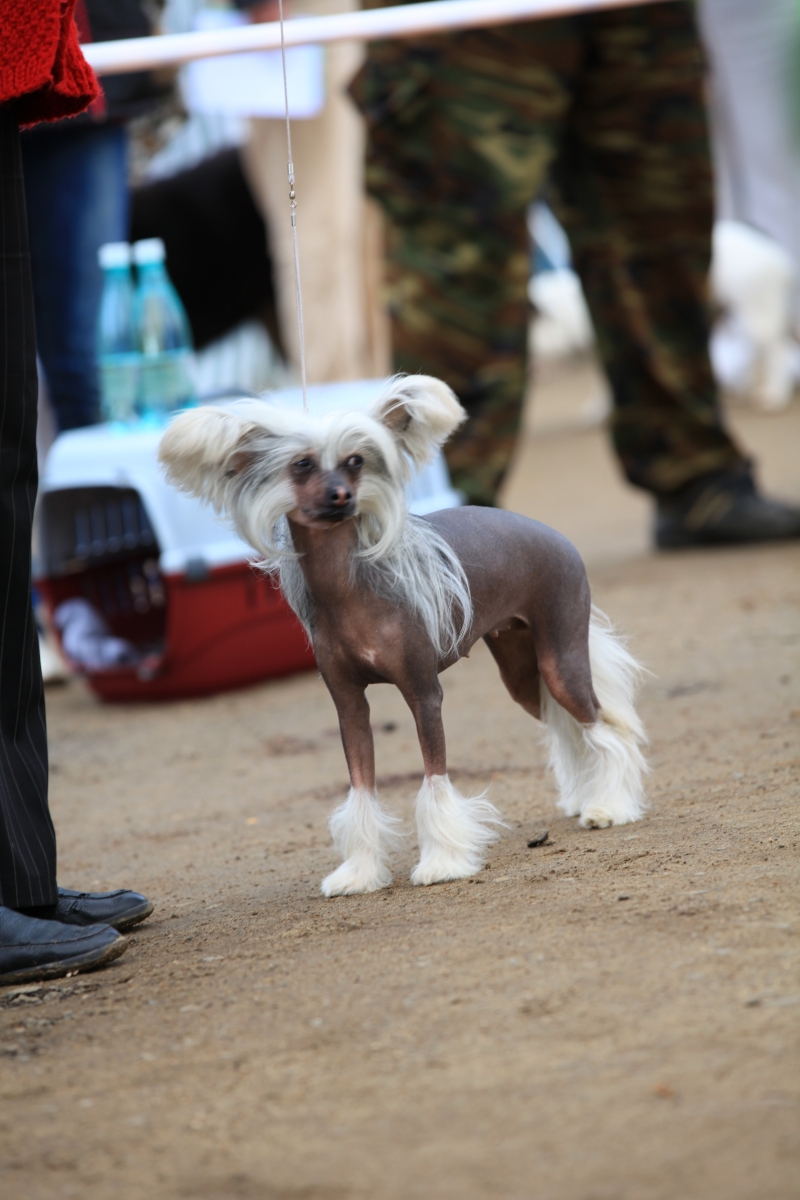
420	412
204	448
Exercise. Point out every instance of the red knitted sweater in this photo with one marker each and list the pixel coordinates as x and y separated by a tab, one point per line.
42	69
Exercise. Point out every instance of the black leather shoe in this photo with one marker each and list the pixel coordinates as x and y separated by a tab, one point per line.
120	909
32	949
722	509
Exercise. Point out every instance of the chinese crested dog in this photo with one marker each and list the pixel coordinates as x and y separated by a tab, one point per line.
387	597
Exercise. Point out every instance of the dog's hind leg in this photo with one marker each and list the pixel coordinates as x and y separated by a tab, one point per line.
363	833
583	691
598	763
454	830
515	654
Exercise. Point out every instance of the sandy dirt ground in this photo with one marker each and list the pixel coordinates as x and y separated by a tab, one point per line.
610	1016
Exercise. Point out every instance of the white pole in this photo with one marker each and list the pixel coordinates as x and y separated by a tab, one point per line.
408	20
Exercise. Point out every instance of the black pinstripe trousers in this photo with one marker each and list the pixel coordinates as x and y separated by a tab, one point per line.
27	837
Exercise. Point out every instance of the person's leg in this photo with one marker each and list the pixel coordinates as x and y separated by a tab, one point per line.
77	199
635	187
459	308
73	940
634	192
27	838
461	132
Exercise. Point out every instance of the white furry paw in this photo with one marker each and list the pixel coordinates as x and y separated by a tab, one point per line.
454	831
598	817
353	879
440	868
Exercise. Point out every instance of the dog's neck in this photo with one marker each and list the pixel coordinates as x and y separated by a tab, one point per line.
326	559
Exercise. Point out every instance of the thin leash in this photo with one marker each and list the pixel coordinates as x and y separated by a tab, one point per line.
293	210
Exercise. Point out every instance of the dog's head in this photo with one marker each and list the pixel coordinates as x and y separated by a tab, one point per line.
257	462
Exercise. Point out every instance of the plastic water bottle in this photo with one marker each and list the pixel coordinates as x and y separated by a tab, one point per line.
165	340
118	355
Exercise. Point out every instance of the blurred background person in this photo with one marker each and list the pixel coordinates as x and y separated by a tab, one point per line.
606	111
76	189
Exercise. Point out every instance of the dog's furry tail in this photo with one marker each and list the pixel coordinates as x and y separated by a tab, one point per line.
616	676
600	768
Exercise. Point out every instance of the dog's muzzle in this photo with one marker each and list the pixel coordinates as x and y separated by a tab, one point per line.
337	512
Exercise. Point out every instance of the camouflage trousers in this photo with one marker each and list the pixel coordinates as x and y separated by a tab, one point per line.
603	114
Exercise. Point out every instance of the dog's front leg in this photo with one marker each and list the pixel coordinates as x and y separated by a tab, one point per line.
454	830
363	833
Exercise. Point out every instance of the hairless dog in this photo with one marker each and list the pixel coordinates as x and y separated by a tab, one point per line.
387	597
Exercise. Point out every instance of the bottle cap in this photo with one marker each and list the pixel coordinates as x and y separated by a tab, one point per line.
114	254
149	250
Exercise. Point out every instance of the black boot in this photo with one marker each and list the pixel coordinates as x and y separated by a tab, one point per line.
31	949
723	508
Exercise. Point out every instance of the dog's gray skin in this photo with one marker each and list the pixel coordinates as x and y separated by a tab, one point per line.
531	605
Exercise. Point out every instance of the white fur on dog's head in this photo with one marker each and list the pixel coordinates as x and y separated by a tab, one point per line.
237	458
420	412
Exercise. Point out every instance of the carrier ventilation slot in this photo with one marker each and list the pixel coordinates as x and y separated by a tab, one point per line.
84	527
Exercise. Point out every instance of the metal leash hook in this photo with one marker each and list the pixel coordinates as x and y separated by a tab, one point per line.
293	211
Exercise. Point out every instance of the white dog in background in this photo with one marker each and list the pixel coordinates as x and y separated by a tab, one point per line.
753	350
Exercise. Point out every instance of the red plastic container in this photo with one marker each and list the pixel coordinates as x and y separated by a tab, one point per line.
228	630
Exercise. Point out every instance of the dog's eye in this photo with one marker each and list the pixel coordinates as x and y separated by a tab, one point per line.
303	464
354	462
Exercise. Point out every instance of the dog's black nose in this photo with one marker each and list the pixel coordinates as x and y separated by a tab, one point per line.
339	495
